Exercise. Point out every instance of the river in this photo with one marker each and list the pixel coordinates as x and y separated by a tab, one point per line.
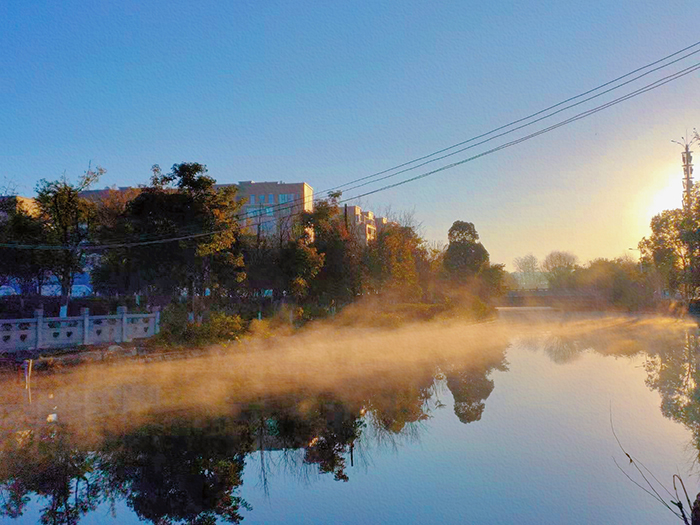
520	420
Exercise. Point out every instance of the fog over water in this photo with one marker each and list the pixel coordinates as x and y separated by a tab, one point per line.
429	422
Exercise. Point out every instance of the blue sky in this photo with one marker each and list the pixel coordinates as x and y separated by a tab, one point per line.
326	92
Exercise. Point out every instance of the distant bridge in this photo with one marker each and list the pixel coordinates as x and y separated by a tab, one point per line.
551	298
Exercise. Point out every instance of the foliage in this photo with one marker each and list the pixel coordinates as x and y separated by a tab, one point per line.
466	263
30	268
299	264
339	279
202	216
68	222
559	268
394	262
180	238
465	257
669	252
619	283
178	328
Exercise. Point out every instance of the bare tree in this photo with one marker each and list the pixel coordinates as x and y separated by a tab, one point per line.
559	269
528	270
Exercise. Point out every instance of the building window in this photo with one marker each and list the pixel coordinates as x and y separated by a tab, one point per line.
270	199
251	199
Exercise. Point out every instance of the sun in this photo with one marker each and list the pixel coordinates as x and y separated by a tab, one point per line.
669	194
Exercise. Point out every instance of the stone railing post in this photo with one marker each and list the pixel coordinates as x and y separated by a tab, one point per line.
121	311
85	313
39	316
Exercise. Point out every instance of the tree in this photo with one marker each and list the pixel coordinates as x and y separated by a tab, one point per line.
465	256
462	232
299	264
559	269
69	222
669	250
29	267
619	283
183	205
394	262
340	278
528	269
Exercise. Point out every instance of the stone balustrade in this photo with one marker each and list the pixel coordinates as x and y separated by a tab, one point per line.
41	332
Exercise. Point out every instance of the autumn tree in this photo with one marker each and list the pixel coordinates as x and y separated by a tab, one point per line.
394	262
339	280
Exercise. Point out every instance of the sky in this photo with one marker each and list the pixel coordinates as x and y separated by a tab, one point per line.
327	92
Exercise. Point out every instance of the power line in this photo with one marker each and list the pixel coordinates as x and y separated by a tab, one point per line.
579	116
639	91
520	127
365	180
538	112
297	202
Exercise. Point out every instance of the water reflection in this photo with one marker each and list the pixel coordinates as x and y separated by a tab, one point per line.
186	464
46	462
174	442
470	388
674	373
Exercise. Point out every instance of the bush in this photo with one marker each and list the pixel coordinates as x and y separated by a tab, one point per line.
219	327
223	327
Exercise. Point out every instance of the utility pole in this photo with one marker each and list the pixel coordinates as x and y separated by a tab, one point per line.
687	178
687	157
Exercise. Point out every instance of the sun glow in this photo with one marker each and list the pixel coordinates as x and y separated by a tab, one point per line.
668	196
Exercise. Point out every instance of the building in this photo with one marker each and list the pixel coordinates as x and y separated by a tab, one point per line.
15	203
363	224
125	193
270	207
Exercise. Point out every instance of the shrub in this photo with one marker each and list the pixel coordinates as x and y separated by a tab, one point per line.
223	327
220	326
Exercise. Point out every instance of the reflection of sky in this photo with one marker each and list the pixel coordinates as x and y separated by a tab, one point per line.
542	453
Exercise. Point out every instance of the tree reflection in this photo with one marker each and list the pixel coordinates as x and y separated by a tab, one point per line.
674	373
48	464
171	469
393	409
187	467
179	471
470	387
325	428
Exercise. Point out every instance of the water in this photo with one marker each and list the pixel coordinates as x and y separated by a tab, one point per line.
501	423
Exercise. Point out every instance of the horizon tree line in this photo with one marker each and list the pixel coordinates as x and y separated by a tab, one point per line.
318	262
